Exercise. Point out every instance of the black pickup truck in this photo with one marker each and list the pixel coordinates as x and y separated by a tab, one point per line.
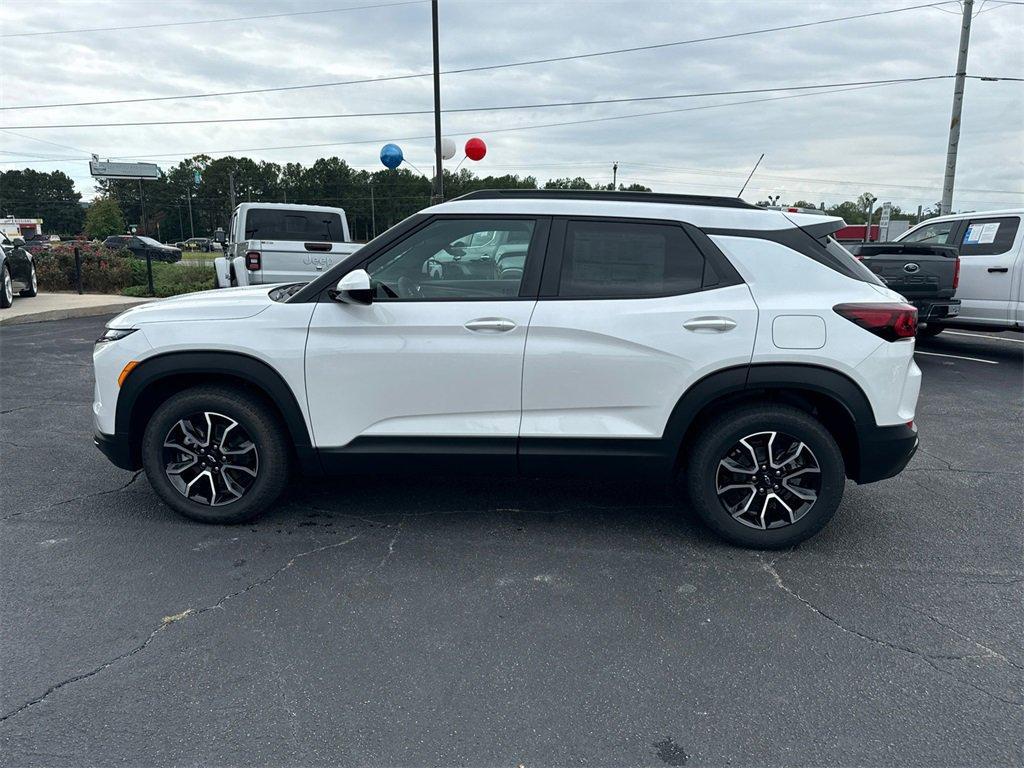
926	276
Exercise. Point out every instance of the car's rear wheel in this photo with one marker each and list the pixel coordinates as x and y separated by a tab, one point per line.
765	477
6	289
33	285
216	454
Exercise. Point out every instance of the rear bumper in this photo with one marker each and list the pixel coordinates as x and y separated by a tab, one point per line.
937	311
885	451
117	448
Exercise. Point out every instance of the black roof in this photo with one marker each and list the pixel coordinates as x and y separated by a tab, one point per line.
600	194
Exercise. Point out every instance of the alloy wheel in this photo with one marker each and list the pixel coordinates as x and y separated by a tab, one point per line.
768	480
210	459
8	287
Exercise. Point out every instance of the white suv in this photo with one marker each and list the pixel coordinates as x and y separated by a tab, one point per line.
538	333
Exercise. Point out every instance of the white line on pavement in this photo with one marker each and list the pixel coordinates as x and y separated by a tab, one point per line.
985	336
957	357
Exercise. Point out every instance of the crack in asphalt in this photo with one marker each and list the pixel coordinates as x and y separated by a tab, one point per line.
167	622
83	497
950	468
391	544
40	404
931	659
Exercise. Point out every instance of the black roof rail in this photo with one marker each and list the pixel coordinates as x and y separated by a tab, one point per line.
600	194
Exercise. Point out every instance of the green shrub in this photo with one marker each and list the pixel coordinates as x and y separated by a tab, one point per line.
107	271
171	279
103	270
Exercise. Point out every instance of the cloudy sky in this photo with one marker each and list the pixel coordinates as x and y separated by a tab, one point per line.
889	140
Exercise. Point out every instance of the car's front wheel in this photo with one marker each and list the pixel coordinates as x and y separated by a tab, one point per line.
6	288
216	454
765	477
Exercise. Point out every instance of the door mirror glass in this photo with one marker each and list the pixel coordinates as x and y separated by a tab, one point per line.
354	288
219	236
18	242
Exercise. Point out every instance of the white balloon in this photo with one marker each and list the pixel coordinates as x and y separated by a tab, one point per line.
447	149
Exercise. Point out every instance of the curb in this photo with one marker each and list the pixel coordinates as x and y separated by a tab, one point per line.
71	312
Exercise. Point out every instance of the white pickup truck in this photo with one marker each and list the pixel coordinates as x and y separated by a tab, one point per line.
281	243
991	286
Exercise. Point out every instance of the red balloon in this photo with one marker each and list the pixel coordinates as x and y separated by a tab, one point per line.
476	149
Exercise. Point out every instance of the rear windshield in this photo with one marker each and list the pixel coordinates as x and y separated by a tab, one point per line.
303	226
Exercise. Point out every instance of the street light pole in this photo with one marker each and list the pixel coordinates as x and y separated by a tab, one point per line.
958	102
438	172
373	211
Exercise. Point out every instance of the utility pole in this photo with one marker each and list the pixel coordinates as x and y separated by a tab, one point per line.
142	205
958	103
438	172
615	175
191	225
231	188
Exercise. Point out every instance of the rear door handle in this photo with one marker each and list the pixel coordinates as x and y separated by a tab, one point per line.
710	324
998	269
490	325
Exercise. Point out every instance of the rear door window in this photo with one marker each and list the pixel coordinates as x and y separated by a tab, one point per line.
606	260
989	236
302	226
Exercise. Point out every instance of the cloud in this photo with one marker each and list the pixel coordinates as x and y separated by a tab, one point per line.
889	140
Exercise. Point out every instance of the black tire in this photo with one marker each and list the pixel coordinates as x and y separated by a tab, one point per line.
263	429
714	444
929	331
33	287
6	293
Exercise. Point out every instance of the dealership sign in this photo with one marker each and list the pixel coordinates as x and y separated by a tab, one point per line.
104	169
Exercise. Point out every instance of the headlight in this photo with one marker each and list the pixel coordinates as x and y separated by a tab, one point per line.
113	334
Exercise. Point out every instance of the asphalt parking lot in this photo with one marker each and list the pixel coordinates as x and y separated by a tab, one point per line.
376	622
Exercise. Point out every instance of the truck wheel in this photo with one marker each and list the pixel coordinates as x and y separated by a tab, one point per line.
216	454
929	331
765	477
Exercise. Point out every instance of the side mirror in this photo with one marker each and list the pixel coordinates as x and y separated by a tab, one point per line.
219	236
18	242
354	288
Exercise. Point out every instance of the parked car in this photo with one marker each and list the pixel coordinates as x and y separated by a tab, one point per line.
140	246
645	335
277	243
925	275
198	244
17	271
991	249
38	243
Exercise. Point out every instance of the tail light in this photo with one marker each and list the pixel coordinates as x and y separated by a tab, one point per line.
253	261
891	322
956	274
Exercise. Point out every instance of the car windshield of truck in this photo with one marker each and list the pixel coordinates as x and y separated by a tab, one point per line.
302	226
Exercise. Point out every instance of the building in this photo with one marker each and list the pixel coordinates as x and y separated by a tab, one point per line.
24	228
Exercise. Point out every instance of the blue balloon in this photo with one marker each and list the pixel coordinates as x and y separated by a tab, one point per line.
391	156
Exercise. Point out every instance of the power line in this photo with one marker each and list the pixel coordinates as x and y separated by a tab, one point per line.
500	108
485	68
213	21
534	126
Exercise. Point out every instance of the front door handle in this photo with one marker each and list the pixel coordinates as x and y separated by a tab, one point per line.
710	324
490	325
998	269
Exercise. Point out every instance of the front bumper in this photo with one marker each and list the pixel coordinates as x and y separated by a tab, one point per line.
117	448
885	451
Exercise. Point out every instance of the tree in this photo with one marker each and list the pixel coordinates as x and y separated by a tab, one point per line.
48	196
104	218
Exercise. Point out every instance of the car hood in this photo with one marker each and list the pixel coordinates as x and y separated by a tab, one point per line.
218	304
